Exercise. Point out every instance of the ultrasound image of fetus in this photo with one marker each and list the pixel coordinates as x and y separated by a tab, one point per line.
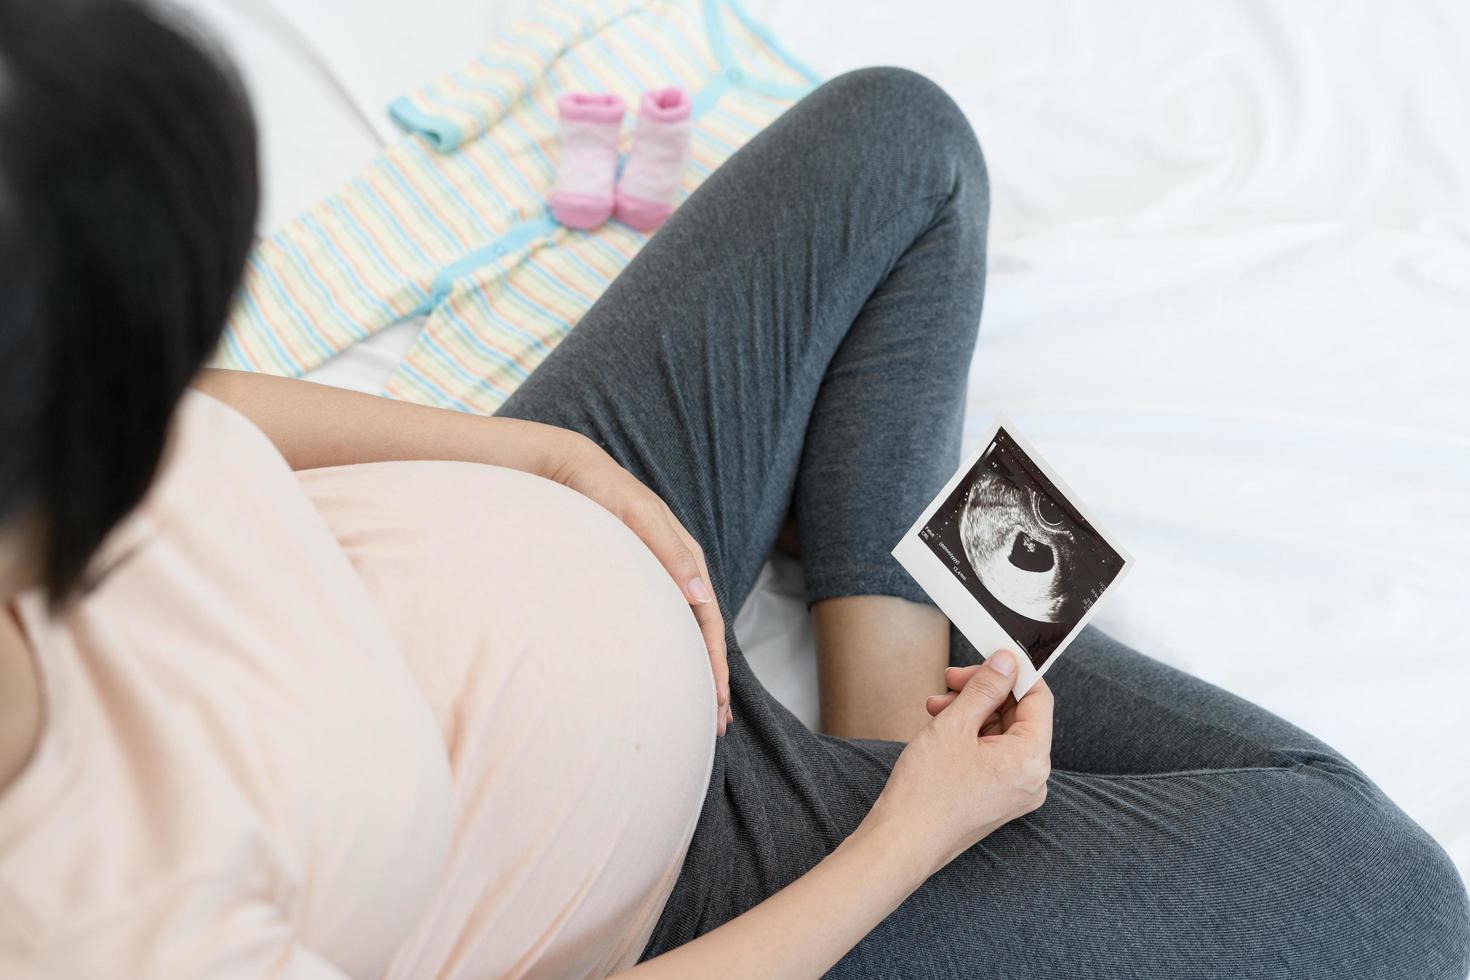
1026	552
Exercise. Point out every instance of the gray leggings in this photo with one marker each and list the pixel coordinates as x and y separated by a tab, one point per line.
796	340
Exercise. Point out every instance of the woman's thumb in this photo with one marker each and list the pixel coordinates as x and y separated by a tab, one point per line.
986	690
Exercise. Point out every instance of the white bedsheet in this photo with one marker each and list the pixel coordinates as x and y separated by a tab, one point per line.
1229	294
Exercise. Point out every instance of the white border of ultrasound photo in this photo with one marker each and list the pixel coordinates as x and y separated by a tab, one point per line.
956	602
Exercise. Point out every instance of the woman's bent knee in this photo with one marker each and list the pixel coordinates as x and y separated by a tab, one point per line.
909	113
1398	904
1431	897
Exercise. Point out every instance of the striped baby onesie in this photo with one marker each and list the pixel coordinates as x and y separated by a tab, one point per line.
452	223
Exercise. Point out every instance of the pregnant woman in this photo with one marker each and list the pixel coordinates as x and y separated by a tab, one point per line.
301	683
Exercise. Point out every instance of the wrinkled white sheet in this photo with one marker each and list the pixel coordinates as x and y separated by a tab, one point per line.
1229	299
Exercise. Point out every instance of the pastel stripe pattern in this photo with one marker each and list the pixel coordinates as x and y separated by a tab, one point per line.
452	223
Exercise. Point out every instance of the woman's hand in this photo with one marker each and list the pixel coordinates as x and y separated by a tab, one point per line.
982	761
589	470
951	786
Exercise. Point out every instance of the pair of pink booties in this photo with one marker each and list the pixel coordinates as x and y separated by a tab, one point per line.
583	195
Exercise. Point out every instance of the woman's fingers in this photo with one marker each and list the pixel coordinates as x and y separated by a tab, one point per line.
994	725
702	584
998	722
597	476
936	703
1033	718
955	678
985	691
652	520
711	620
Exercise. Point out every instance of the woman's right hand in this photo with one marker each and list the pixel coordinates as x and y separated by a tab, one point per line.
982	761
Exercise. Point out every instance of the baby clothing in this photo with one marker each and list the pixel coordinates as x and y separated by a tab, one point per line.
650	182
453	223
583	194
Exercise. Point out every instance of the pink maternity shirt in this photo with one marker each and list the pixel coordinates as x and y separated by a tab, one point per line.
396	720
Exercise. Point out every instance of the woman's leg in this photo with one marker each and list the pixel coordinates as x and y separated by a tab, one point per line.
1200	837
1186	833
878	658
736	359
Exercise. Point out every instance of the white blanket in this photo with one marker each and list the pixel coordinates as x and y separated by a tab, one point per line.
1228	299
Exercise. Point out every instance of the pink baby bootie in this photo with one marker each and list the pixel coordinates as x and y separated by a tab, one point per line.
655	168
582	196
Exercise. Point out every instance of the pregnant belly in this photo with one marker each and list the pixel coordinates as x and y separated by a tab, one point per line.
574	696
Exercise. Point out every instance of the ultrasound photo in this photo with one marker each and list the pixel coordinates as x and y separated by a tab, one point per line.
1020	547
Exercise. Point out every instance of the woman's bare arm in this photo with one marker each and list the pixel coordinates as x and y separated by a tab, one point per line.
982	761
317	425
806	927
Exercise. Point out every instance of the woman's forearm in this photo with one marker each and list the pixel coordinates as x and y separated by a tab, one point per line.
317	425
806	927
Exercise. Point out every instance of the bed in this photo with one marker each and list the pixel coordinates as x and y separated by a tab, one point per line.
1228	299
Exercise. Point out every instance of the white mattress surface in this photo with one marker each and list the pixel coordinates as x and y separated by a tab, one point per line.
1229	296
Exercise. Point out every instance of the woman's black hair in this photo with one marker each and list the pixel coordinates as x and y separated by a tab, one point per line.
128	194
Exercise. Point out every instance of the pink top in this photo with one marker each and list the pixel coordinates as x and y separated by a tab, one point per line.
396	720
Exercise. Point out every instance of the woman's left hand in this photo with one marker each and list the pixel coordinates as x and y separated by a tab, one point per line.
589	470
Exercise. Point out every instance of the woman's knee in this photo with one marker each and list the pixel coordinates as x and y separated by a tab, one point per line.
905	112
1401	905
1428	888
1444	892
1436	913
